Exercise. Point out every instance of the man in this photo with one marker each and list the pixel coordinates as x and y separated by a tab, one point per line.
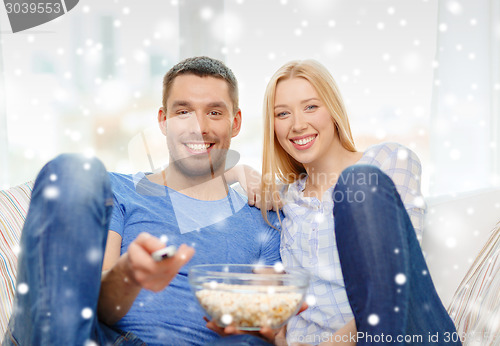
189	202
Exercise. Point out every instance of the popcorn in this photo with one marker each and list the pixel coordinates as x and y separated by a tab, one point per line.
249	306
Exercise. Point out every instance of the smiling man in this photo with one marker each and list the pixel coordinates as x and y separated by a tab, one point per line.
138	299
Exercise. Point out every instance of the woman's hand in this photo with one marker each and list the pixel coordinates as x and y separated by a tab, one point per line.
273	336
251	180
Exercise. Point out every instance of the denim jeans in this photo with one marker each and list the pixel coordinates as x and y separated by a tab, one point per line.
59	266
386	278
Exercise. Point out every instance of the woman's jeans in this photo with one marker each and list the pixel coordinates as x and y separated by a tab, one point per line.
387	281
59	265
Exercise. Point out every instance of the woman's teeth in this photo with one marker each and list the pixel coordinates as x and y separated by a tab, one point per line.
303	141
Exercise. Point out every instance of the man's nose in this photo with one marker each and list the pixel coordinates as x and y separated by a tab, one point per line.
199	123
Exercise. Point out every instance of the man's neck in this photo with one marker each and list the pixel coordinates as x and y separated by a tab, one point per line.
205	187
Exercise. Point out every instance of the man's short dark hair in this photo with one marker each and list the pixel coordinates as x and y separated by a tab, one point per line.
202	66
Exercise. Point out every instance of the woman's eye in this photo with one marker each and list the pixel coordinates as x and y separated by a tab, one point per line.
282	114
311	107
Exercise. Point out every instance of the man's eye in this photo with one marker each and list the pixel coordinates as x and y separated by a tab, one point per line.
183	113
214	114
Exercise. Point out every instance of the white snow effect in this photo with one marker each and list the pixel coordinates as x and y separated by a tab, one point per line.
53	177
472	56
16	249
22	288
402	154
373	319
227	27
164	238
451	242
391	10
65	268
380	26
226	319
278	267
424	272
94	255
331	23
443	27
400	279
87	313
454	7
310	300
51	192
90	343
319	218
213	284
86	166
396	309
396	251
473	22
206	13
403	22
419	201
126	10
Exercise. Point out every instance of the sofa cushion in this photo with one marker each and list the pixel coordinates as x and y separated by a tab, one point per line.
14	204
474	308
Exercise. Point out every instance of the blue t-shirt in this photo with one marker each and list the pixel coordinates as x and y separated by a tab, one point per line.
221	231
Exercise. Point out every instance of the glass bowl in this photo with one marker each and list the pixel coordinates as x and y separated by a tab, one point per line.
249	296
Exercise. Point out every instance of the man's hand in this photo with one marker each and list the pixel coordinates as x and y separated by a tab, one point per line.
148	273
134	270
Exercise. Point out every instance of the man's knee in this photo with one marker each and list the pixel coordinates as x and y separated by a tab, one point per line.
71	178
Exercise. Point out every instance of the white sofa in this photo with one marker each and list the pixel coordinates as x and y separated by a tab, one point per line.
456	229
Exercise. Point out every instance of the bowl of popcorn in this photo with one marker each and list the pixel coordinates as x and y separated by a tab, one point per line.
249	296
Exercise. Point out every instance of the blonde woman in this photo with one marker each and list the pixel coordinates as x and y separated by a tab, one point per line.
353	219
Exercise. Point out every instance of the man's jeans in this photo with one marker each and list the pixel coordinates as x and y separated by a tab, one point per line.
387	281
59	266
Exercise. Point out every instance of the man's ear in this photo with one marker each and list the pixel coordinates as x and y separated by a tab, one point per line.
236	123
162	120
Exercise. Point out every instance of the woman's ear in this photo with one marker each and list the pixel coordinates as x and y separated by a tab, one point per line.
162	120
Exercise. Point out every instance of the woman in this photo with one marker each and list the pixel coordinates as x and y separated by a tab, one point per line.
345	220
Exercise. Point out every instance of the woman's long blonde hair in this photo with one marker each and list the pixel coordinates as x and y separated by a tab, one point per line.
277	163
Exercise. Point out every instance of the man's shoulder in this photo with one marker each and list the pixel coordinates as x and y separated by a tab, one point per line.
257	218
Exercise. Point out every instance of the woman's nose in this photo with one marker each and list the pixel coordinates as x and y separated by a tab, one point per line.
299	122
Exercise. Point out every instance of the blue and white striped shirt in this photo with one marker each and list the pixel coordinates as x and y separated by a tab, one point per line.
308	241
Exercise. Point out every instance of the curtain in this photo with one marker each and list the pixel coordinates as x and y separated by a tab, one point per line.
466	91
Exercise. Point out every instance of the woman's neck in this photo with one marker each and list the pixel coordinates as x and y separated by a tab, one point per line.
324	174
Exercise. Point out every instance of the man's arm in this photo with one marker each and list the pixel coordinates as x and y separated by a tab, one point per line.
124	276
